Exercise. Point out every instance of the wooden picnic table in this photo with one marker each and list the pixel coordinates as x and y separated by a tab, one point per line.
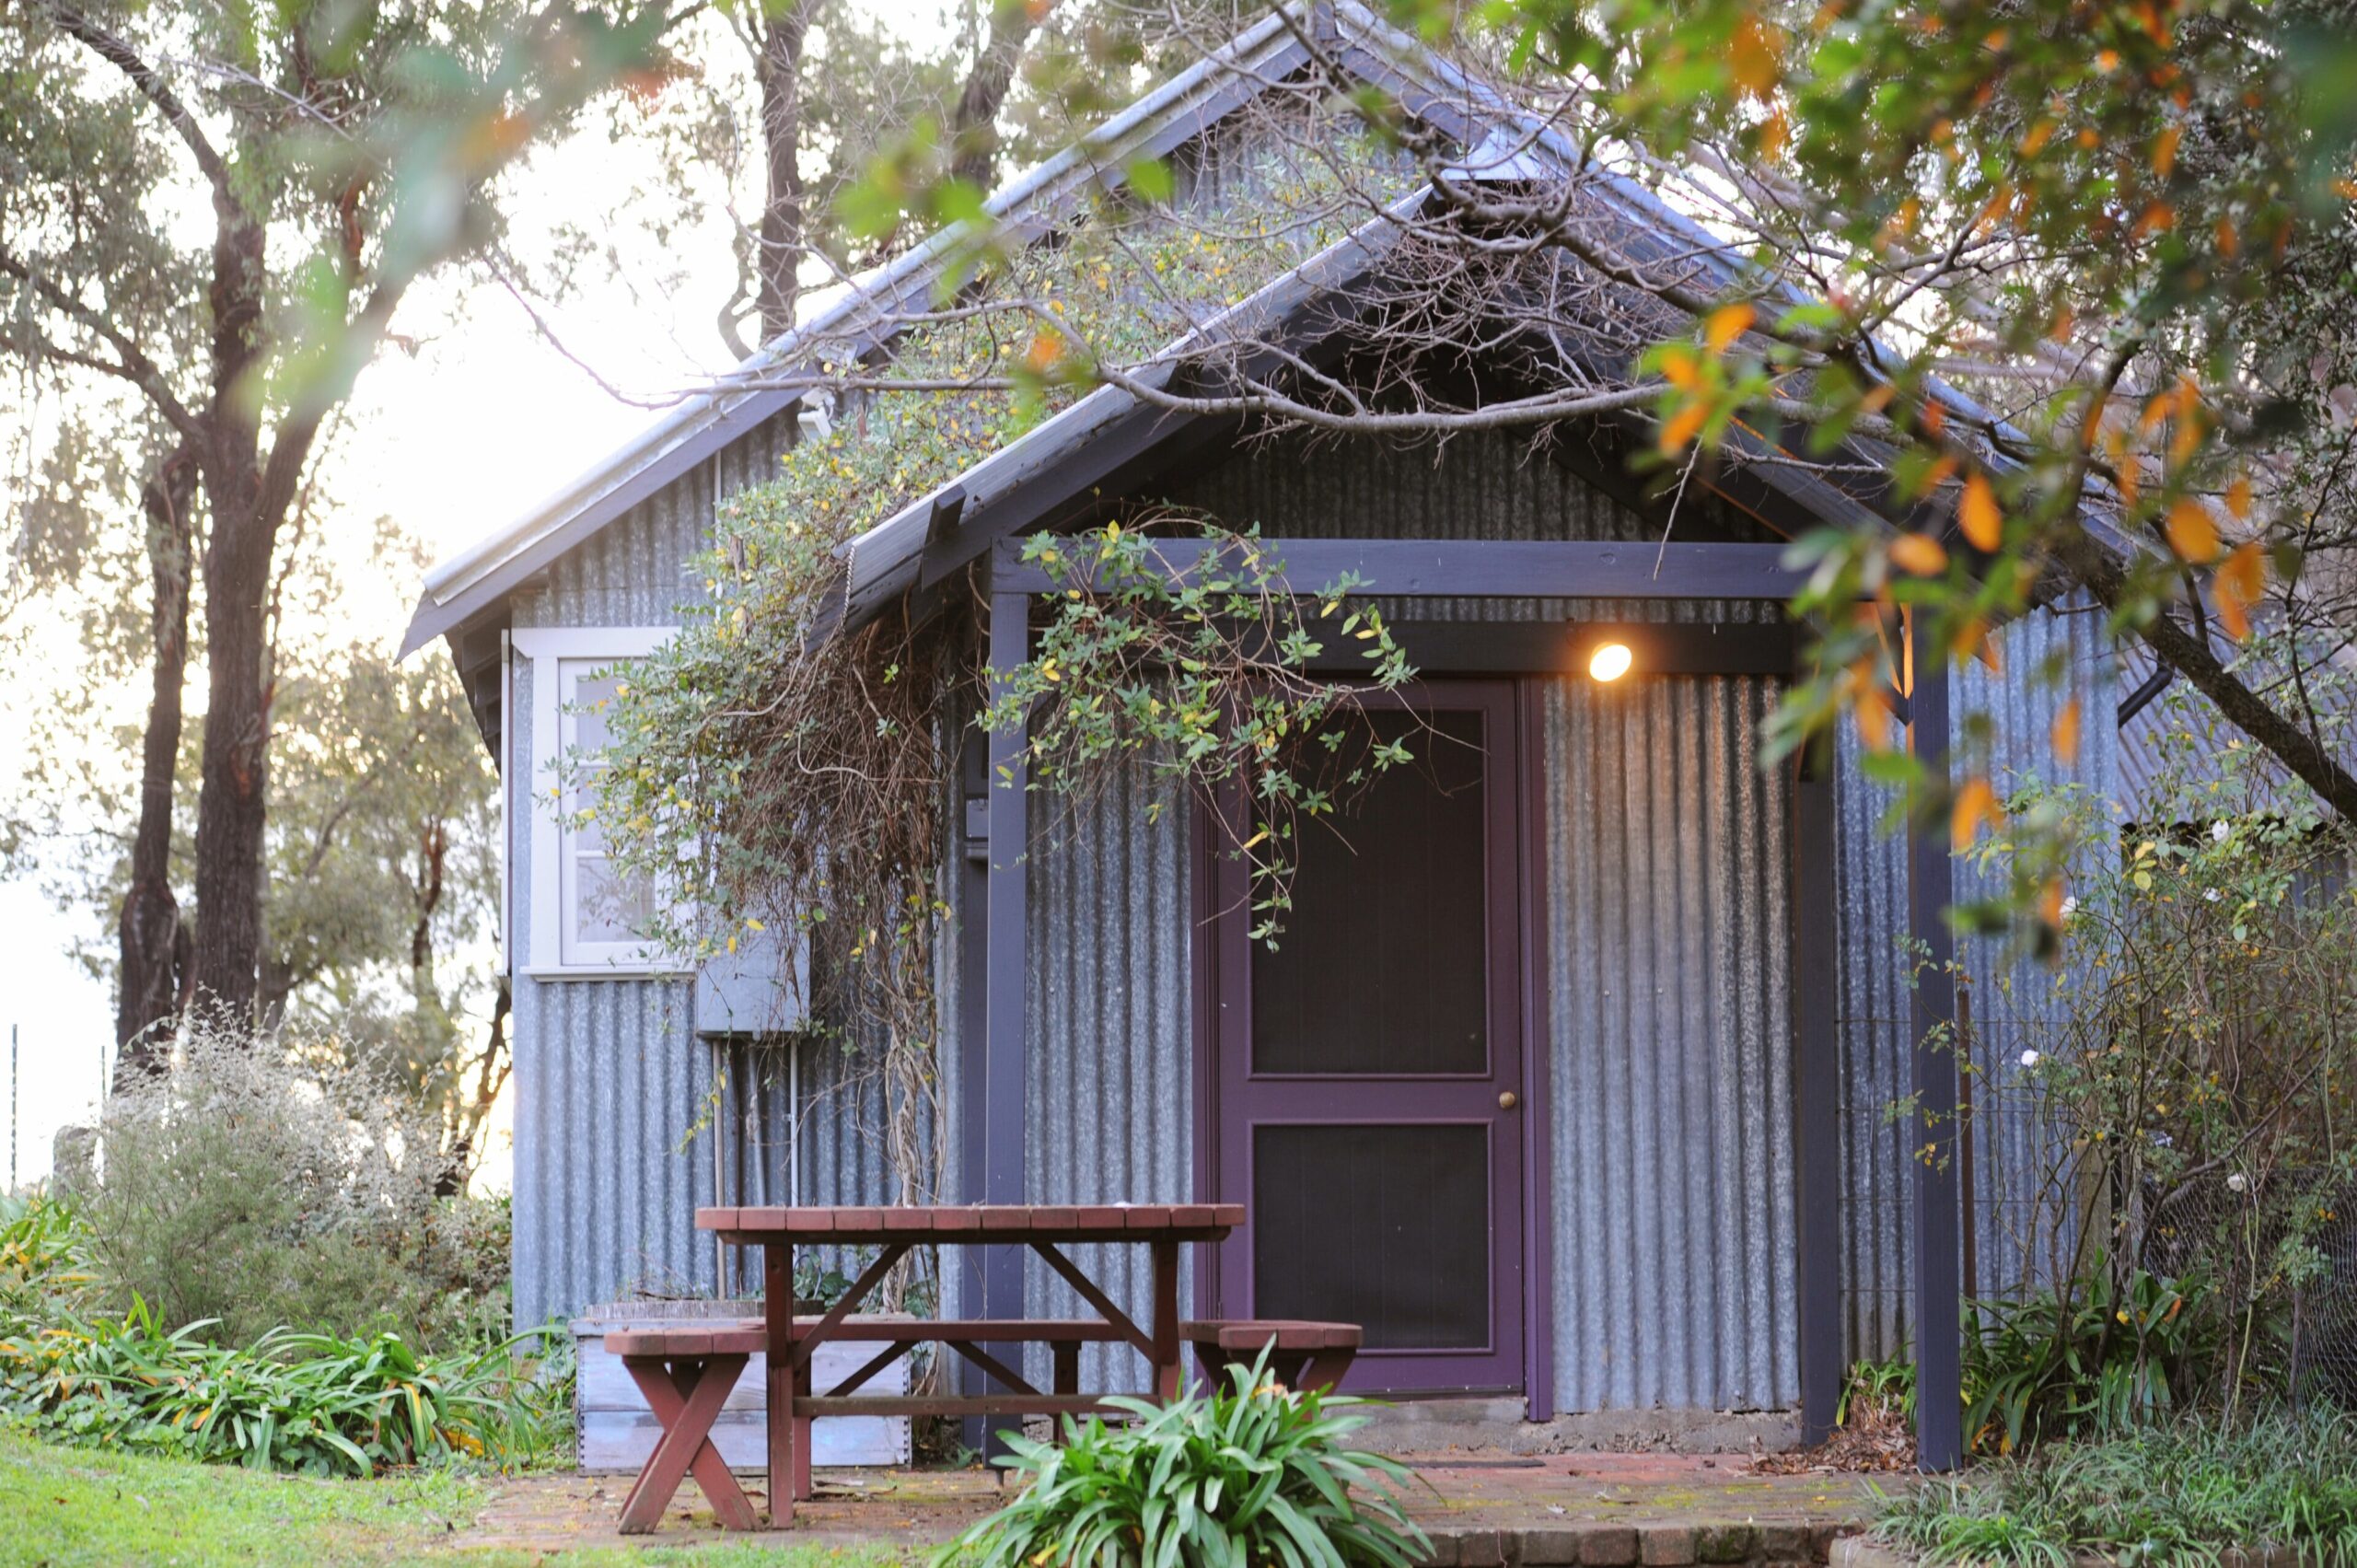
1045	1229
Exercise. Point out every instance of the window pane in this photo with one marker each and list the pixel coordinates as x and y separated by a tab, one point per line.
609	908
1387	1227
589	729
1382	966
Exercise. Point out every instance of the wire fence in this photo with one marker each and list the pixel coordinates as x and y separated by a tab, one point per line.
2279	1252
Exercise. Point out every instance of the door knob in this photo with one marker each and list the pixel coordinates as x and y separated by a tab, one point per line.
1506	1100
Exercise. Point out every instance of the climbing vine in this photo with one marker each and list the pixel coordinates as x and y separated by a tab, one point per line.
772	773
1185	645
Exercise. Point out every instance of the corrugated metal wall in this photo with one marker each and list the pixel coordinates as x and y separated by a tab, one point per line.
1866	926
2009	995
2049	657
615	1093
1110	1081
1668	980
608	1080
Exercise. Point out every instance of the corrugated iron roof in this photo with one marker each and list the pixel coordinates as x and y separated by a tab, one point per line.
464	585
1013	487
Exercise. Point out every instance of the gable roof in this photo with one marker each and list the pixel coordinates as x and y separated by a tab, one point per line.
1018	485
866	311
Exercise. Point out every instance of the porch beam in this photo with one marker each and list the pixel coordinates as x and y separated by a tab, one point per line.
1938	1198
1005	982
1559	646
1816	1092
1483	568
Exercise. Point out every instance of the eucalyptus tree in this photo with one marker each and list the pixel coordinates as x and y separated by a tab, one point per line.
209	218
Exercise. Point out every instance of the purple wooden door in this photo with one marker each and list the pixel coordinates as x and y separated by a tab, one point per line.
1369	1070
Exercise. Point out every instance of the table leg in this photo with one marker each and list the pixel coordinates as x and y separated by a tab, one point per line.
802	1445
1168	1376
777	1312
1067	1354
1324	1369
686	1396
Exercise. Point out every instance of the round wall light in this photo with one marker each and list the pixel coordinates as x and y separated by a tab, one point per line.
1610	661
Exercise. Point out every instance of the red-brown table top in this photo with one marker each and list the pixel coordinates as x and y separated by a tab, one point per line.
972	1222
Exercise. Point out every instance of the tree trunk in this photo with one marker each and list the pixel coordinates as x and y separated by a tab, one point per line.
151	945
974	133
232	798
778	69
233	801
460	1157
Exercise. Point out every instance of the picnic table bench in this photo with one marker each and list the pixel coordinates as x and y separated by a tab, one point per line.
1044	1229
687	1373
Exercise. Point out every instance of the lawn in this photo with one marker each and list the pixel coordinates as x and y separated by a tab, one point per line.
72	1506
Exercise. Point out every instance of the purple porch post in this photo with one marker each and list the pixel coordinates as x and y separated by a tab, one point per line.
1005	982
1931	888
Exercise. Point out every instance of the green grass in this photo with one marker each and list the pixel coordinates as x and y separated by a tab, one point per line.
66	1507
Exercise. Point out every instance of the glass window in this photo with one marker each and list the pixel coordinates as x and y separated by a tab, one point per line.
602	912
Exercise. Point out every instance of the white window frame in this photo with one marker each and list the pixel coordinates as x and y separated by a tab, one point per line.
550	648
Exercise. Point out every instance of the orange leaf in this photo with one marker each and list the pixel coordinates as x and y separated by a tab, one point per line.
1727	323
2241	582
1918	553
1972	641
1045	350
2040	135
2191	533
1751	57
1874	715
2165	150
1978	513
1976	805
2065	735
2239	498
1683	426
1680	369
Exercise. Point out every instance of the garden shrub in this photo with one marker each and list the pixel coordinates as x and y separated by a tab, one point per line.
1250	1473
2182	1492
2113	1348
72	1371
261	1184
2180	1084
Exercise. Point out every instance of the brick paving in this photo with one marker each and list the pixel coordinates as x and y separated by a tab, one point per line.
1589	1510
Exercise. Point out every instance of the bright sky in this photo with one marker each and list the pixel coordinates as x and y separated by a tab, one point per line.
482	420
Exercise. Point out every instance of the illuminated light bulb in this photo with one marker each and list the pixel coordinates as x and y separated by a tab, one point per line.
1610	661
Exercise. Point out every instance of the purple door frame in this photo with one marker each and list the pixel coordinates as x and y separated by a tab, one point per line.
1229	1099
